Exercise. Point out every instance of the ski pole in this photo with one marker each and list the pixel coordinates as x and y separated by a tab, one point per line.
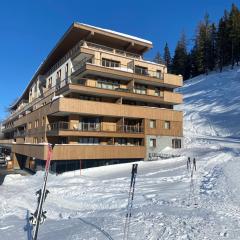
43	192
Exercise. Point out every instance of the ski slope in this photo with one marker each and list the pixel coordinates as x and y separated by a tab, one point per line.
93	206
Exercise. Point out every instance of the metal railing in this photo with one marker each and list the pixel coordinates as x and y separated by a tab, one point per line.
93	127
130	68
21	133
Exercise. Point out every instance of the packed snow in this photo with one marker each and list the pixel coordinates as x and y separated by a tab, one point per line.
167	204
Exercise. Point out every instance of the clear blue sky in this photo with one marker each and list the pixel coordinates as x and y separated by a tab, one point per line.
30	29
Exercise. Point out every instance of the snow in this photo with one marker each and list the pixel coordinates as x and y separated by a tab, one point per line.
93	205
118	33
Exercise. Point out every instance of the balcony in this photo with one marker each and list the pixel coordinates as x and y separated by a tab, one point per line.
130	68
112	89
77	151
94	127
21	133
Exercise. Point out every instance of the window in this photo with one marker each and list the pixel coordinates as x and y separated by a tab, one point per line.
59	73
108	84
35	140
141	70
66	69
176	143
35	87
159	74
140	89
152	123
110	63
43	121
36	124
152	142
158	92
167	125
121	141
30	125
88	140
50	82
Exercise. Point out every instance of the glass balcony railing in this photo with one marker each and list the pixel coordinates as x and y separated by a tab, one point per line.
130	68
94	127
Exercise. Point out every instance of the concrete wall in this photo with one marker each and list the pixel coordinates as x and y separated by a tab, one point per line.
161	143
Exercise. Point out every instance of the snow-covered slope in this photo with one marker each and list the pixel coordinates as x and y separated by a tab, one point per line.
212	104
167	204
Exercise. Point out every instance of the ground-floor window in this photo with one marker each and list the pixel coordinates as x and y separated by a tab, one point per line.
152	142
89	140
176	143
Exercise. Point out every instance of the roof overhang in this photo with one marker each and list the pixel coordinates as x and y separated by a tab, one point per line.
79	31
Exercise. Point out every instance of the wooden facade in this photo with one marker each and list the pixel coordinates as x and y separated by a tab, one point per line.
95	97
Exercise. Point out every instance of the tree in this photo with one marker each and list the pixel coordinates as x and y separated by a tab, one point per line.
234	34
167	57
212	56
180	59
158	58
223	42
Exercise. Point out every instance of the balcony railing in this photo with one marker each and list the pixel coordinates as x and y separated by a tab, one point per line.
94	127
21	133
130	68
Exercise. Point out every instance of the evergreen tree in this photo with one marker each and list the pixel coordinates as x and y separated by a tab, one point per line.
212	56
180	59
234	34
223	42
203	46
193	62
158	58
167	57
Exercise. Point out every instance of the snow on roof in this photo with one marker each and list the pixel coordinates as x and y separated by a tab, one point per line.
118	33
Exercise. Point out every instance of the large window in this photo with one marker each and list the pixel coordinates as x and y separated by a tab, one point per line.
176	143
141	70
140	89
110	63
108	84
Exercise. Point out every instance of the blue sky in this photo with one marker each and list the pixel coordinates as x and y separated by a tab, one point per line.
30	29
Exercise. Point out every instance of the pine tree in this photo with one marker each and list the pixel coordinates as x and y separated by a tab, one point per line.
212	56
180	59
203	46
167	57
234	34
223	42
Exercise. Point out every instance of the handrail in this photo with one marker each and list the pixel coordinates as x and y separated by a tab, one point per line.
88	126
130	68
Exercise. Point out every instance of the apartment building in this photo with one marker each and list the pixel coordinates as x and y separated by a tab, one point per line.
98	101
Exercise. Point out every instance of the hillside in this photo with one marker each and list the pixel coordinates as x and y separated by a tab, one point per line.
167	204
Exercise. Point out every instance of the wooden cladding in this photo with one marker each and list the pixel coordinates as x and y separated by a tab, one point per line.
76	151
175	128
77	106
